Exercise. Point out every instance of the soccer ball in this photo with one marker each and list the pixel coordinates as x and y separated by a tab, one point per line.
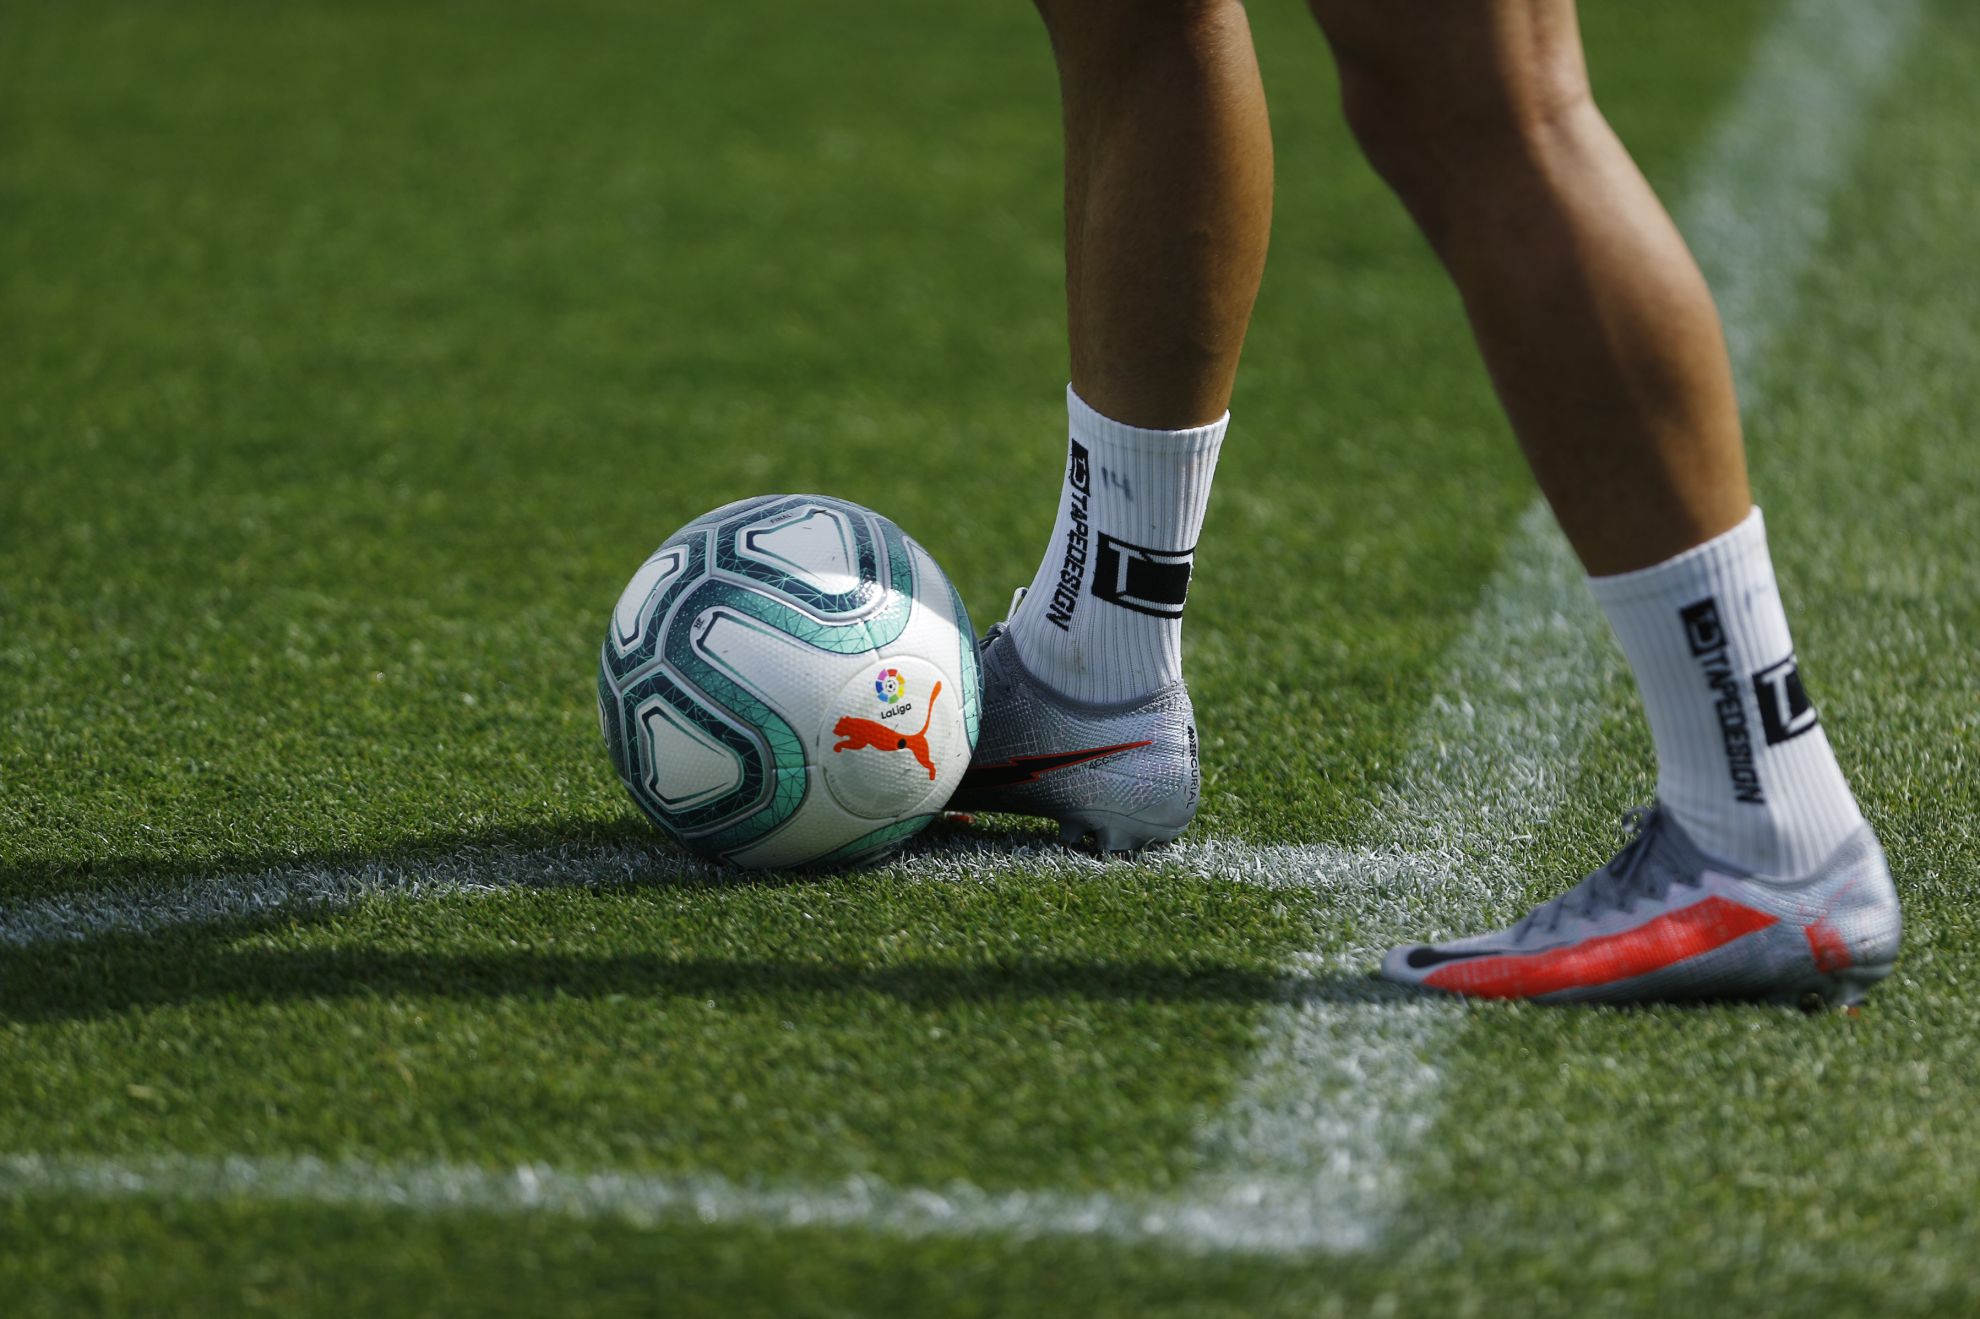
789	681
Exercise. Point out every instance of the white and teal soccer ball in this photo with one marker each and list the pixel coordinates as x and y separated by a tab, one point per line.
790	681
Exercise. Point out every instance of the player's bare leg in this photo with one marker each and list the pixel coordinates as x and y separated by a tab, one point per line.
1168	205
1168	202
1756	874
1594	321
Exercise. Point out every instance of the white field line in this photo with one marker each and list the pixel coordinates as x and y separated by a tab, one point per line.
1758	205
1311	1151
960	1210
151	909
1310	1155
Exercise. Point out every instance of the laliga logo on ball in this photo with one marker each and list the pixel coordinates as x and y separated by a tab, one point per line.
889	686
854	732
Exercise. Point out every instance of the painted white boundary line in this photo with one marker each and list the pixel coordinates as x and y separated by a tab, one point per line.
1758	204
150	909
1310	1155
875	1206
1313	1147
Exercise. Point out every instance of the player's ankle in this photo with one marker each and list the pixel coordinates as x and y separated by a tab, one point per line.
1102	620
1779	846
1743	764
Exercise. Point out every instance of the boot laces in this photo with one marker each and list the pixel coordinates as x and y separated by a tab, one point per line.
1003	625
1620	884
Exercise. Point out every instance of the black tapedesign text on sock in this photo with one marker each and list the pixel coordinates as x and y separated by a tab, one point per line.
1072	572
1707	637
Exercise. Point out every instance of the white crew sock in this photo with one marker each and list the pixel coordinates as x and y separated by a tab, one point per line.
1102	620
1741	761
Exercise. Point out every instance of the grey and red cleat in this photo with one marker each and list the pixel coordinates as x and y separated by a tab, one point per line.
1123	776
1663	921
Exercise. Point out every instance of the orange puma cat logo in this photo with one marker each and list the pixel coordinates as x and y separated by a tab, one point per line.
858	732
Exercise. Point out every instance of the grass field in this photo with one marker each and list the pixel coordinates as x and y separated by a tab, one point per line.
356	353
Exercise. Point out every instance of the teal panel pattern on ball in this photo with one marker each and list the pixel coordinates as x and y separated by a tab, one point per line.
854	638
886	627
785	764
693	540
969	668
812	618
870	847
755	760
729	557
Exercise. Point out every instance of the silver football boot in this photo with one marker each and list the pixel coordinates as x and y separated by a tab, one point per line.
1663	921
1123	776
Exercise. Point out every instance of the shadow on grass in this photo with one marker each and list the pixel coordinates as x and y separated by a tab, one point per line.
231	963
84	873
627	849
176	959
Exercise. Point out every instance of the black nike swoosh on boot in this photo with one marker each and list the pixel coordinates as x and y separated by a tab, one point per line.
1029	769
1418	958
